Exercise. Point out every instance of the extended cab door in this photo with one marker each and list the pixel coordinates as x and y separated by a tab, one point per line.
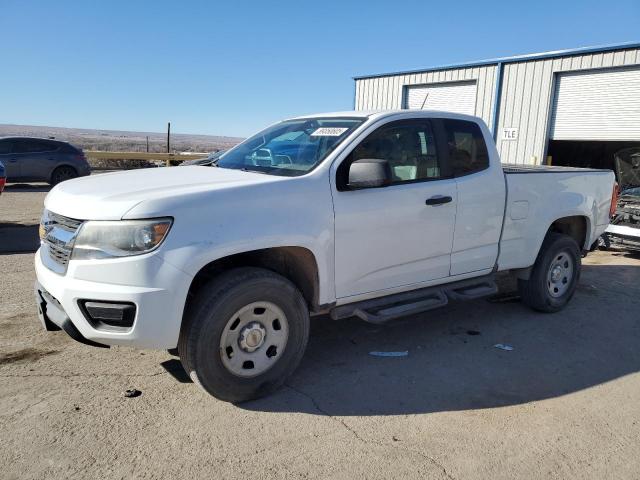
401	234
481	189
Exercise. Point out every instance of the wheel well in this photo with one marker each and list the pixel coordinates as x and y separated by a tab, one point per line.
575	227
297	264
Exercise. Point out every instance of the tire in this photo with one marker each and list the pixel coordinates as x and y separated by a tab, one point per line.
250	299
555	274
63	173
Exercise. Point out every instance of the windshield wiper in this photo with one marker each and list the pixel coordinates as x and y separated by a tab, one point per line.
245	169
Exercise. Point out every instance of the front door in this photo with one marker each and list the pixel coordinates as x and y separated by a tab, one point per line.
402	234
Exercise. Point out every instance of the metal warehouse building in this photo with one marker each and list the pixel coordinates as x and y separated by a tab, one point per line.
571	107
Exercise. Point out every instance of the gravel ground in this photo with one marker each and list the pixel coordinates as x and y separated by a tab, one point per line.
562	404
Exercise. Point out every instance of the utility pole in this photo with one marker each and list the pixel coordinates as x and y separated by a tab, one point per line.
147	143
168	142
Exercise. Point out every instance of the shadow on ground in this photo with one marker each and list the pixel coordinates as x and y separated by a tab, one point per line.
27	187
451	367
174	368
18	238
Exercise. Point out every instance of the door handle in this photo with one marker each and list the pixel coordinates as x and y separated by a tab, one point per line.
13	160
438	200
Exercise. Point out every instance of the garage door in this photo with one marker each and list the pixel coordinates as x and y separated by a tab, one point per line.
602	105
458	97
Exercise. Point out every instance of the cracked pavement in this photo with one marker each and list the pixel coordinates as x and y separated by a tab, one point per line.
562	404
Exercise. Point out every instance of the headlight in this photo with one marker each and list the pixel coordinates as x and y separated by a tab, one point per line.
104	239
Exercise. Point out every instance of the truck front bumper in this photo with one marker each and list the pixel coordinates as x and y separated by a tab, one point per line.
61	301
53	317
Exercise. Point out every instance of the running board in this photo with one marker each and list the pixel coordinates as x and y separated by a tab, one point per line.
384	309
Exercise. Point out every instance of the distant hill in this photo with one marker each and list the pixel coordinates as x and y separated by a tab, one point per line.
123	141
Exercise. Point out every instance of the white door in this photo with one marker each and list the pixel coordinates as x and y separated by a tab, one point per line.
597	105
457	97
401	234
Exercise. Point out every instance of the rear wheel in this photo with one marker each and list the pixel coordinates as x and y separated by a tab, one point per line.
555	274
244	334
63	173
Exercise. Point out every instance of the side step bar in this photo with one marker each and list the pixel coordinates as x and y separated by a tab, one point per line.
385	309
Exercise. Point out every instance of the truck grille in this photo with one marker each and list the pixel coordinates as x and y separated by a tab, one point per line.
58	233
59	254
69	223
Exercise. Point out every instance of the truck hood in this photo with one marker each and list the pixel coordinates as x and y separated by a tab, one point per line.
110	196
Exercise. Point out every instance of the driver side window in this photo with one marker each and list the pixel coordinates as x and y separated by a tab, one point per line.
408	146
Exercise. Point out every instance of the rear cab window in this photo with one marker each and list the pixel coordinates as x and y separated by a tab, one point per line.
466	147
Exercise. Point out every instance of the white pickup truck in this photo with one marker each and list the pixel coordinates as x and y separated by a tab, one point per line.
374	215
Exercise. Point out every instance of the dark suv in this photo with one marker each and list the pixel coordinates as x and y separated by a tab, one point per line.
40	159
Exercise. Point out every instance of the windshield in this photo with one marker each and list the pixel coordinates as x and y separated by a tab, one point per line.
290	148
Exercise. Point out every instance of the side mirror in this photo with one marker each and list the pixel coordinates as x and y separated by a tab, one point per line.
369	173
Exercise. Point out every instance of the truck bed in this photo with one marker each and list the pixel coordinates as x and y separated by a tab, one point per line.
534	202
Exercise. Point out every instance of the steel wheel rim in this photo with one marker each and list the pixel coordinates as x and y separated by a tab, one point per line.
560	274
253	339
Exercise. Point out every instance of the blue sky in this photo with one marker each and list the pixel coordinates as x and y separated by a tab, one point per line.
230	68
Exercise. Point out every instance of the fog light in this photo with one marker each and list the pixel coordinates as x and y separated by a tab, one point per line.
103	315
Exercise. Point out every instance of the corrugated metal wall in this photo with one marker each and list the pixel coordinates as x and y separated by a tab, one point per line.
386	93
527	93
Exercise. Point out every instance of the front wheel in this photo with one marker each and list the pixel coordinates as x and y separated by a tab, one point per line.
555	274
244	334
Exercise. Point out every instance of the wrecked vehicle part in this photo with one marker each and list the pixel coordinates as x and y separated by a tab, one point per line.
624	229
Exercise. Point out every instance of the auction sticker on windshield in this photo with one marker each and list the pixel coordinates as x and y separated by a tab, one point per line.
329	132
